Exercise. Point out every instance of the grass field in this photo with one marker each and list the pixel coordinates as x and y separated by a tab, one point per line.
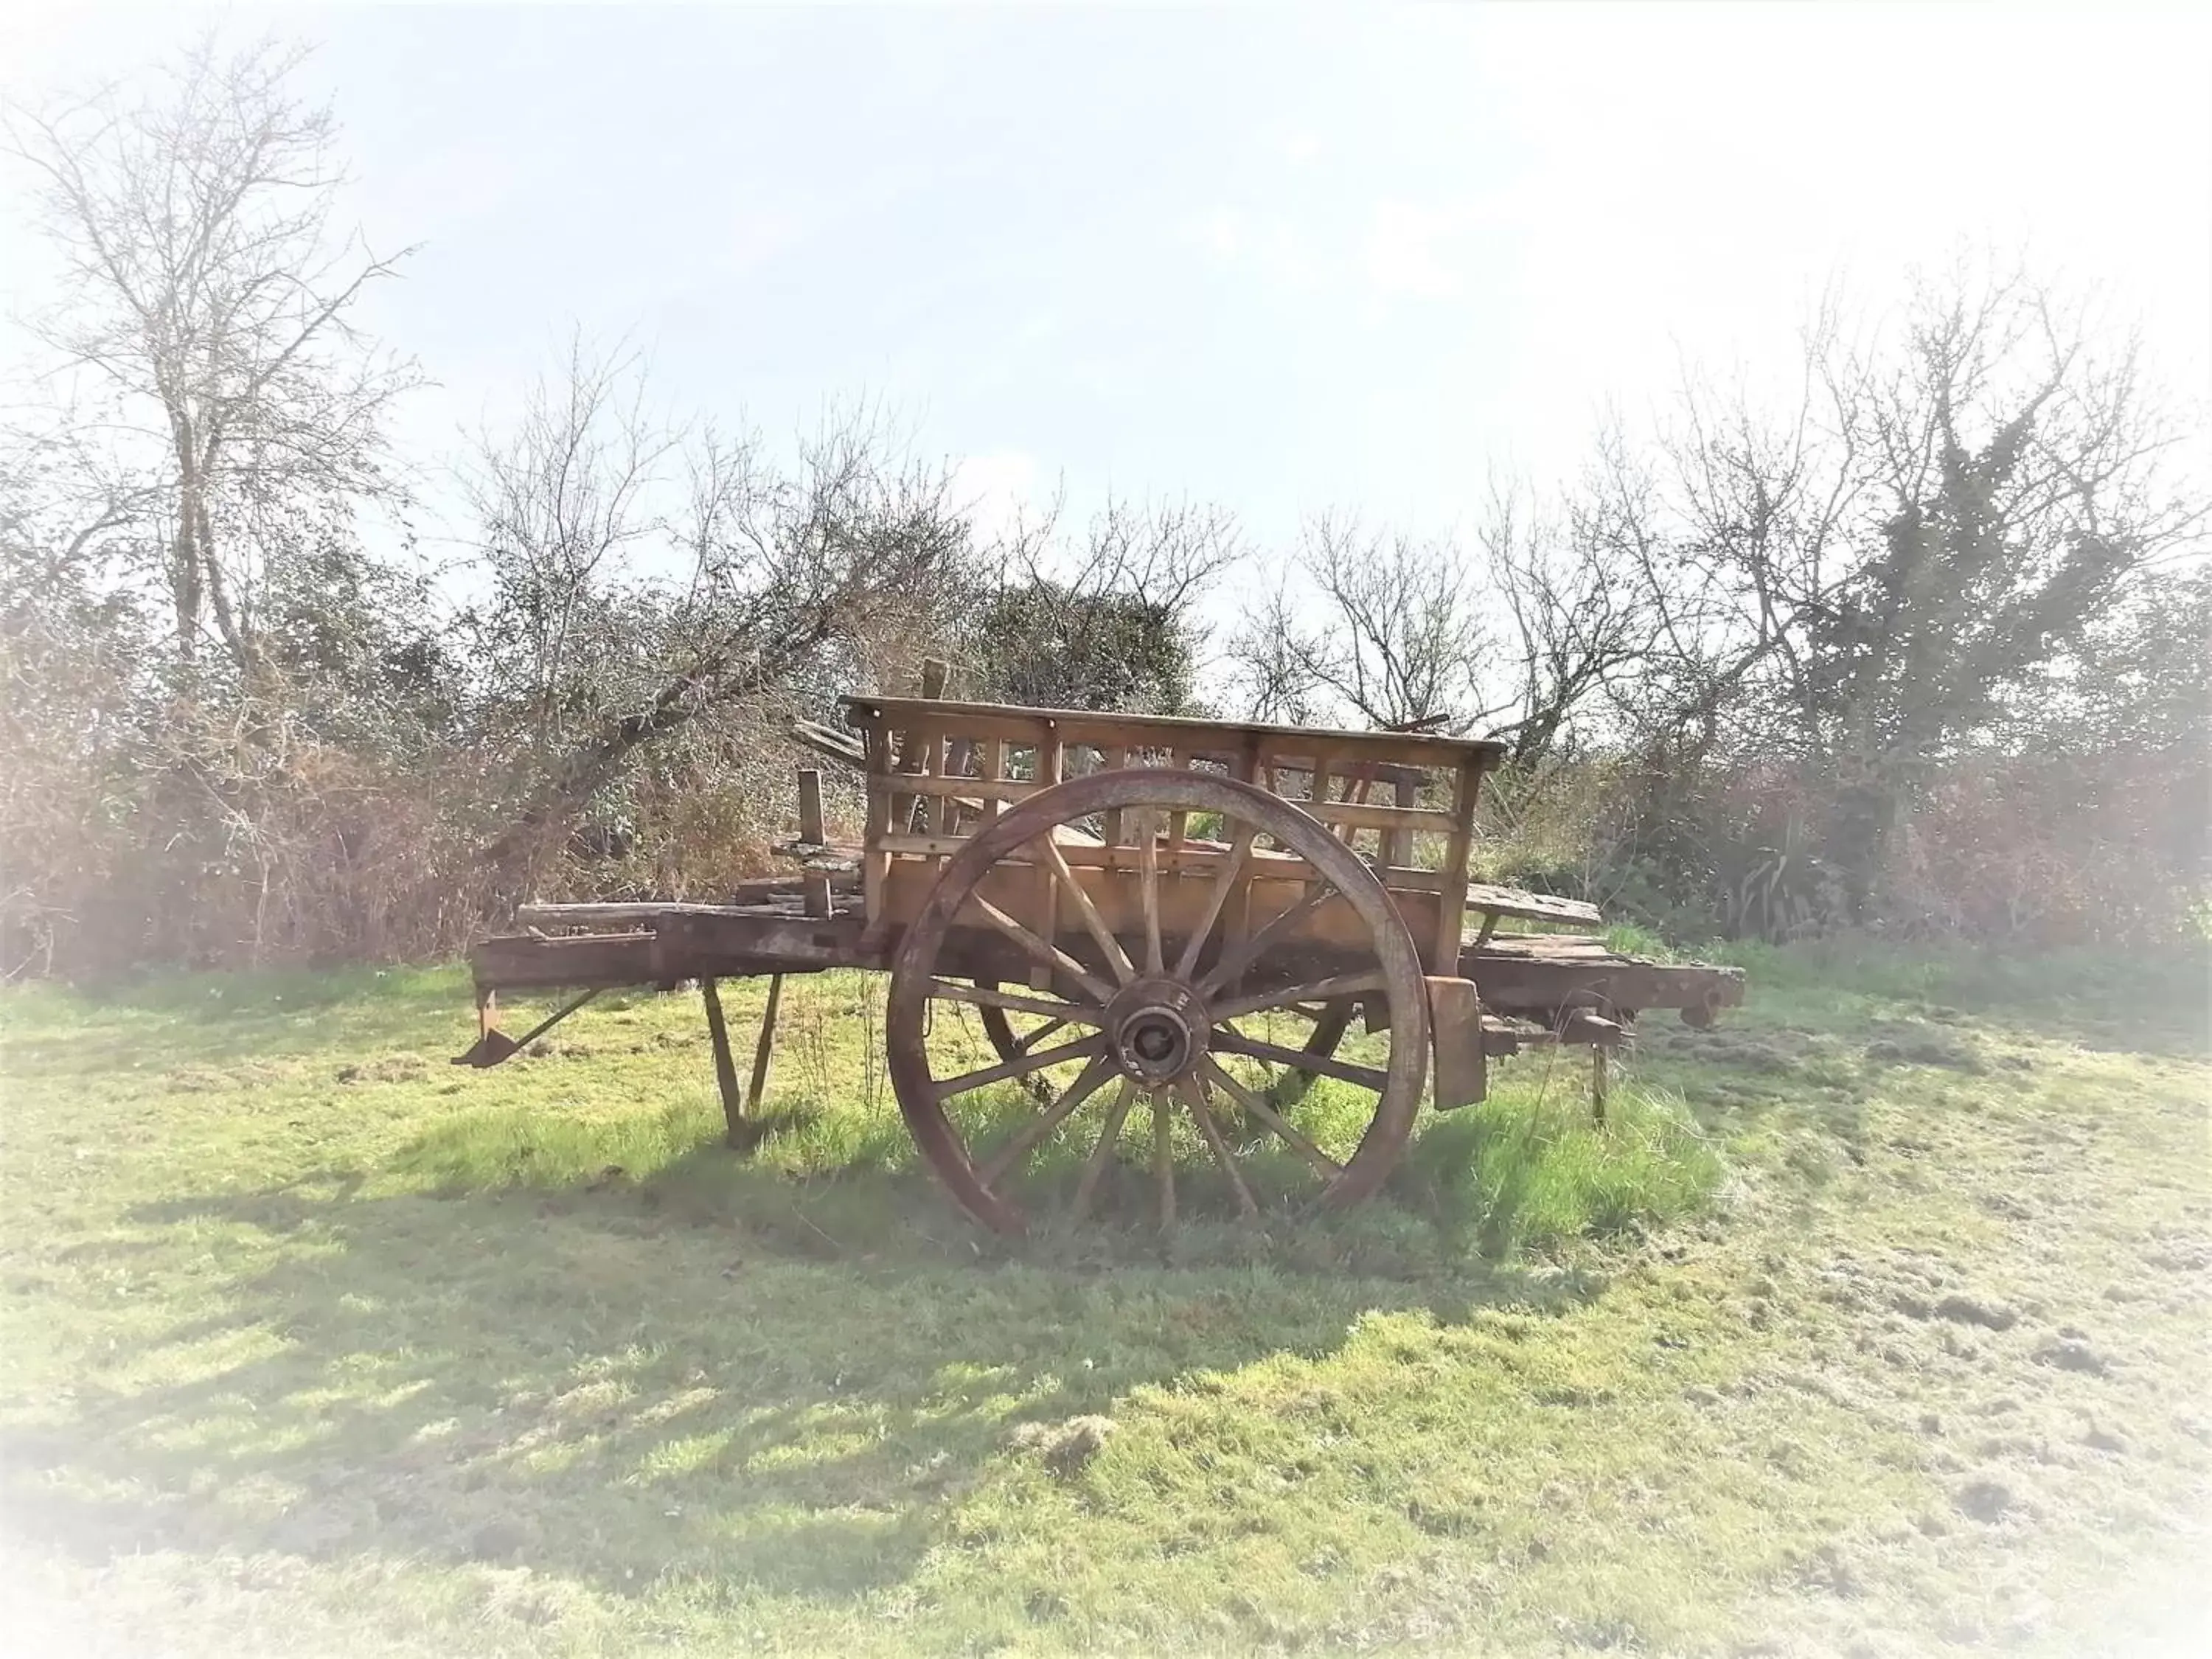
1874	1322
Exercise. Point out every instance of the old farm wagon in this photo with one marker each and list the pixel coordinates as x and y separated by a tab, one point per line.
1099	925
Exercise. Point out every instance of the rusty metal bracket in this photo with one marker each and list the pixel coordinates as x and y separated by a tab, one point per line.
495	1045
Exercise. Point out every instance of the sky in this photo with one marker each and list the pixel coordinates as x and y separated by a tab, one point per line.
1281	259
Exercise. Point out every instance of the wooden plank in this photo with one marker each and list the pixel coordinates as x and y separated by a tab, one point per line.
1219	739
840	746
1387	819
969	789
1530	907
1552	947
529	962
1540	989
650	911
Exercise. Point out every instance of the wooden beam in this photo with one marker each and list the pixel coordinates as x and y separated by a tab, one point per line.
1451	905
1286	746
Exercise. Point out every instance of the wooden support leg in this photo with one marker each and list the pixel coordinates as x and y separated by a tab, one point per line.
1600	1070
741	1131
762	1048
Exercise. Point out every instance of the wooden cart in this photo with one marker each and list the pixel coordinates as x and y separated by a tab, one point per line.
1139	917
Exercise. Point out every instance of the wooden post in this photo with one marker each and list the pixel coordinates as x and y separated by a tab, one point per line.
811	832
1451	899
1113	758
1051	759
994	754
741	1133
1178	822
1398	845
1600	1070
910	753
875	865
761	1050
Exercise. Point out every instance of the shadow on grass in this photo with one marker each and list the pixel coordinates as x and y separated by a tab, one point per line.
243	1019
717	1375
2140	1001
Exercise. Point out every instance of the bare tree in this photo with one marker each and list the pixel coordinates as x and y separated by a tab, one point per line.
1397	636
1583	623
1862	581
647	577
1109	622
1273	662
560	503
207	293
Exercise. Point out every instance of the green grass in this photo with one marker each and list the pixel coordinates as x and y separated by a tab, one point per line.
1871	1322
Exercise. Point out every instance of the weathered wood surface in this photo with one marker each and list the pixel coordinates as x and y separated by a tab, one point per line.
1292	748
1456	1028
1544	975
1530	907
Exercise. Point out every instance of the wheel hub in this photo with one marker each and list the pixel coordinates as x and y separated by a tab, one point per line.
1158	1030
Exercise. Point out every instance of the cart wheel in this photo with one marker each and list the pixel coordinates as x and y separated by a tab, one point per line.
1160	994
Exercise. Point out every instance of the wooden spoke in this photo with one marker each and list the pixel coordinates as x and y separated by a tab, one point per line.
1017	1148
1229	1041
1023	1044
1050	955
1164	1159
1329	1024
1056	861
1148	874
1194	1095
1235	962
1062	1013
1102	1153
1084	1048
1321	990
1224	883
1323	1165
